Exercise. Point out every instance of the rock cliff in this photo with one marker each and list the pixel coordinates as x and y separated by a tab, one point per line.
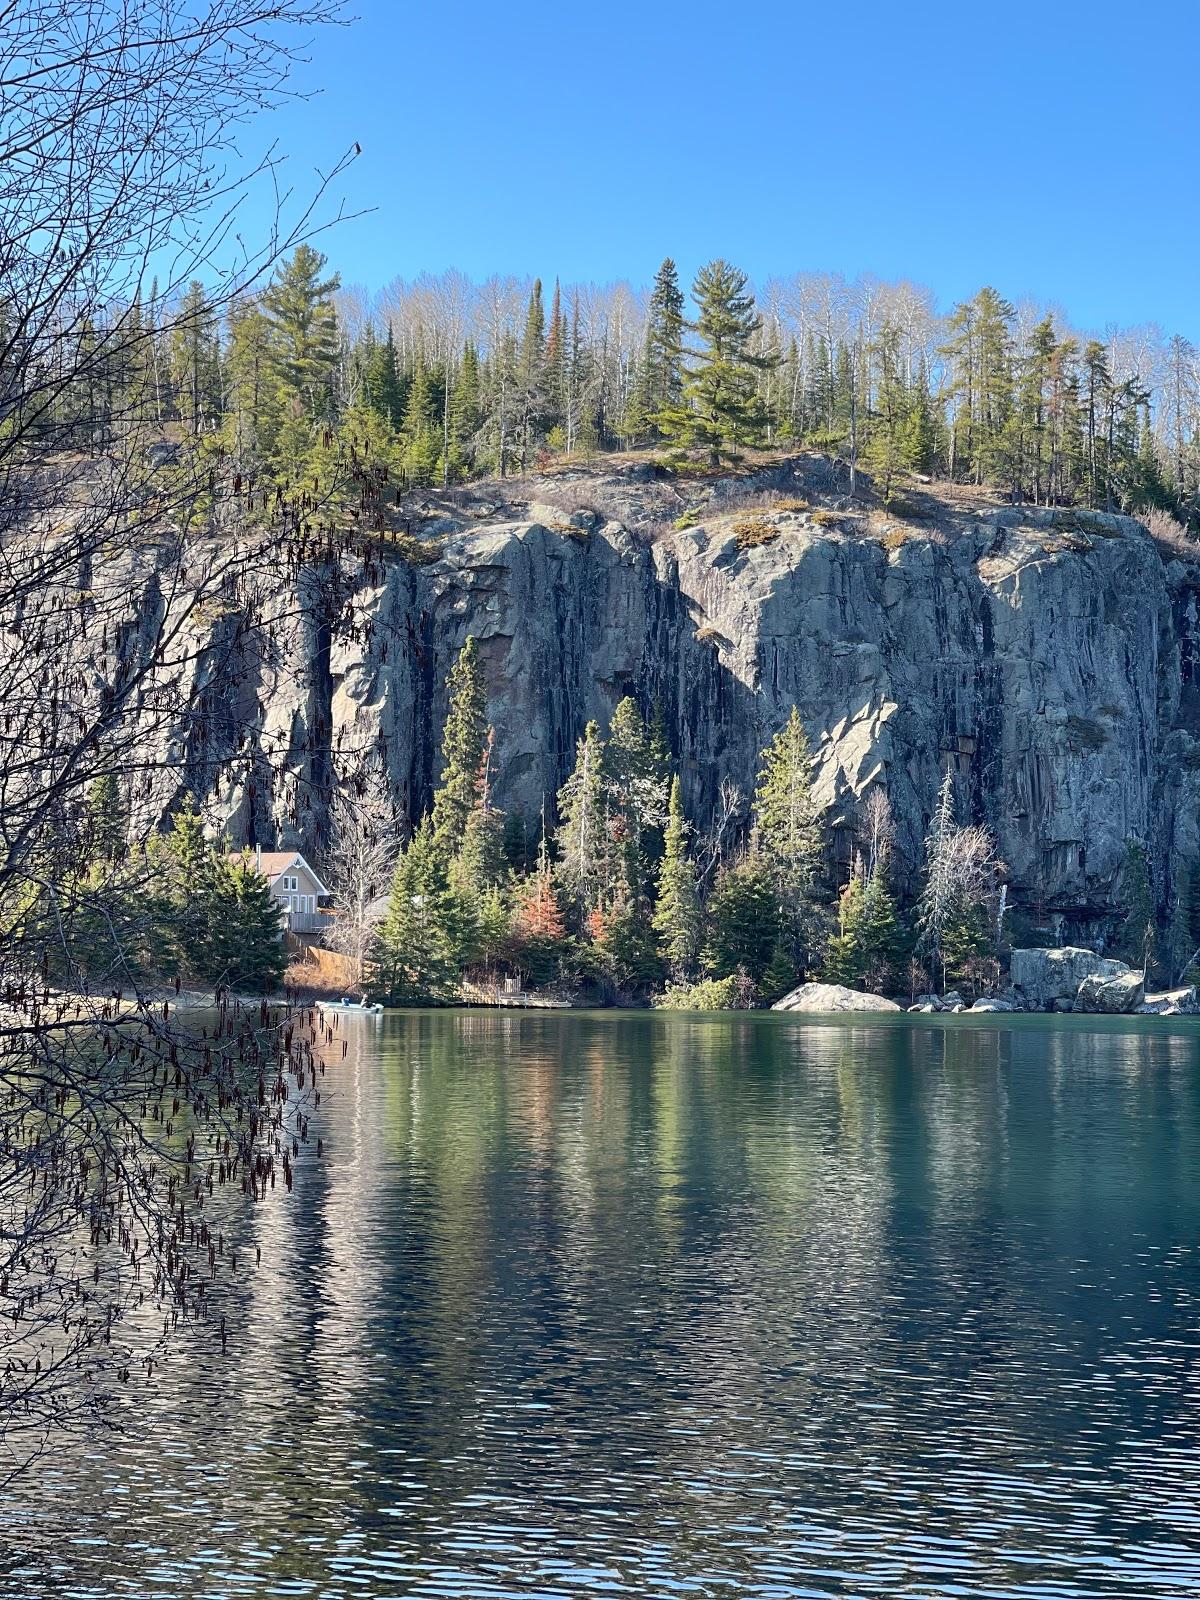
1049	656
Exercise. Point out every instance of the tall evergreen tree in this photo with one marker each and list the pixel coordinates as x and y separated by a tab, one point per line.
789	834
743	920
243	946
420	436
584	843
464	747
416	956
658	392
721	407
677	916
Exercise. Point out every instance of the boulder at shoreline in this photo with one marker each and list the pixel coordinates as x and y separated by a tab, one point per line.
832	997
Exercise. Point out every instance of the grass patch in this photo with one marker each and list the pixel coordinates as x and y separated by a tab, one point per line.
826	519
688	519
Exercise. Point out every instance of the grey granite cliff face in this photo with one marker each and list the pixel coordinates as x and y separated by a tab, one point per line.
1050	657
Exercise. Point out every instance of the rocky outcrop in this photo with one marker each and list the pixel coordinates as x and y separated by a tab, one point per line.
1180	1002
832	997
1048	980
1117	993
1051	658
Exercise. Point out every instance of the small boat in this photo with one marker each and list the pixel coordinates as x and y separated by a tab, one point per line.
346	1004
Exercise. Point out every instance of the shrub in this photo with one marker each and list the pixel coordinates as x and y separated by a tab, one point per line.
750	532
735	993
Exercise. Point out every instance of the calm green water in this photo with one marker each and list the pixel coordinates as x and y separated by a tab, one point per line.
632	1305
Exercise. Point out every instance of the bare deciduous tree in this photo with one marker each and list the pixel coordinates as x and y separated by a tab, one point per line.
362	854
119	180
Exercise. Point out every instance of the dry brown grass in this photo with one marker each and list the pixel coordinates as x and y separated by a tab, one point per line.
1169	534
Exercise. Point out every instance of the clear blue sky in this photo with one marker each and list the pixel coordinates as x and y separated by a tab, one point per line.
1049	148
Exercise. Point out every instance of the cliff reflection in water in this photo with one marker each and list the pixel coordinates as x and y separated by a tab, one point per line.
625	1302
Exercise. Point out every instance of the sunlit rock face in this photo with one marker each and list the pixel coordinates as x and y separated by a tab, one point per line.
1049	657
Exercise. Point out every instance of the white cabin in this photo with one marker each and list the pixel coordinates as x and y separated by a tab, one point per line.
294	885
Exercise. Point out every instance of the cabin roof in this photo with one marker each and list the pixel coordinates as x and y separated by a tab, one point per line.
274	863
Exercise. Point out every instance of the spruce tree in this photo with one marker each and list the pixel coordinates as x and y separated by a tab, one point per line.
743	920
464	747
635	780
416	956
879	932
383	387
465	413
584	843
789	834
106	823
845	958
658	393
253	407
420	436
242	945
677	916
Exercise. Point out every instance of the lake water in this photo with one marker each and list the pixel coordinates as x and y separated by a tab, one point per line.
604	1304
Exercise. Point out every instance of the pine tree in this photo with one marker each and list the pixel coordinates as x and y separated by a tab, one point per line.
722	407
298	303
677	916
464	747
304	350
789	834
584	844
